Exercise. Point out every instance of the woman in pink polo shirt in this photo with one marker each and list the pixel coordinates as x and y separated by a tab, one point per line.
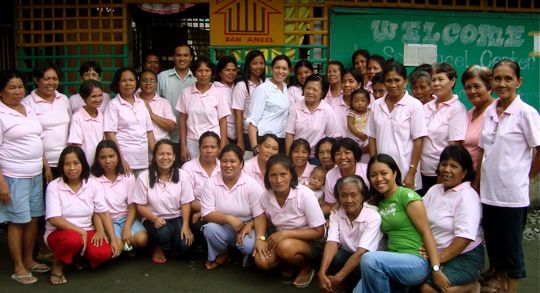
163	196
253	74
202	108
128	122
351	80
199	170
297	219
311	119
334	71
117	187
359	61
230	204
54	113
72	200
86	128
21	184
446	121
224	81
346	153
160	110
476	81
454	212
299	155
256	166
510	136
302	70
323	153
354	230
397	126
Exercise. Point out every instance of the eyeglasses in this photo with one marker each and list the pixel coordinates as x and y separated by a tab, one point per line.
148	81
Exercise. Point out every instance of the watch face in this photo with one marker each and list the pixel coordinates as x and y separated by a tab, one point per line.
436	268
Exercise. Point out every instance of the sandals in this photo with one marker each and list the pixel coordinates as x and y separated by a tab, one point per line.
56	279
26	279
220	260
39	268
305	284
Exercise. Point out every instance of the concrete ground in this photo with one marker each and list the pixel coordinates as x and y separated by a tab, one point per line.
139	274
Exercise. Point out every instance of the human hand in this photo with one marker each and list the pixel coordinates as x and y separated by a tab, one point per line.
84	237
235	223
186	235
408	181
159	222
440	280
97	239
48	174
246	229
126	236
324	282
184	154
195	217
275	238
4	192
116	248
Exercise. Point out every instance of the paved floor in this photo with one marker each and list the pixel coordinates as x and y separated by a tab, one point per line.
138	274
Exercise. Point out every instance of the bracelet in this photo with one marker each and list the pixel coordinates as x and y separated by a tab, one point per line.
413	166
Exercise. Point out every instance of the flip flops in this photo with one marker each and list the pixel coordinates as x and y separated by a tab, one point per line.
26	279
56	279
40	268
305	284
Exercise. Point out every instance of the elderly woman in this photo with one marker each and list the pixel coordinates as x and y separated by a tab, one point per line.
199	170
72	200
230	203
446	121
454	212
21	186
294	213
256	166
311	119
128	123
54	114
354	230
202	107
163	196
346	154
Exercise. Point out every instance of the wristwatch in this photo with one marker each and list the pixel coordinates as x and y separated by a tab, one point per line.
435	268
261	237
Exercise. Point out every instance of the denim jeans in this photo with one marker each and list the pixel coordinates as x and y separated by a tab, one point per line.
384	271
168	236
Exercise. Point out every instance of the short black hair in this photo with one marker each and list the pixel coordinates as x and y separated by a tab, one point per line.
459	153
96	169
287	163
114	86
72	149
349	144
90	64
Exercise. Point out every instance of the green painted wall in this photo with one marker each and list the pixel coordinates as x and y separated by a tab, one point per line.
462	39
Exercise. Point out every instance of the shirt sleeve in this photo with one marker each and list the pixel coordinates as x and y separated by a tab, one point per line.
186	193
329	190
131	184
457	126
289	126
255	193
530	122
167	110
258	102
149	125
468	215
208	199
418	122
371	129
100	205
333	228
407	196
372	234
140	194
239	95
110	119
223	109
75	131
181	103
53	207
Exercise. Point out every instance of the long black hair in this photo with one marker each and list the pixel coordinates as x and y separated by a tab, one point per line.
96	168
246	72
377	197
153	170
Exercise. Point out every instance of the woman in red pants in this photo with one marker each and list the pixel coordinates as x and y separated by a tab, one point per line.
72	200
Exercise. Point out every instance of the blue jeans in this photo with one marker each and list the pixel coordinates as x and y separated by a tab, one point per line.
168	236
384	271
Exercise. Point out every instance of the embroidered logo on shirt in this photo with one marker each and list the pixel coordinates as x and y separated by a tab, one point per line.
389	211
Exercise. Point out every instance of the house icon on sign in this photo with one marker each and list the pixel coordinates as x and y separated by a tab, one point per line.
247	17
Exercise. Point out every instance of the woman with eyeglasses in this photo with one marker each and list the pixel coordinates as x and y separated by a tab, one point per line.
160	109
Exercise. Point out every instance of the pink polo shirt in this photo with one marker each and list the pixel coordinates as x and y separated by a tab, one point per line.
333	176
203	110
472	138
341	110
304	177
296	94
165	198
75	207
162	108
446	123
117	194
508	141
21	144
395	131
312	126
251	167
54	119
197	175
241	201
226	92
300	211
131	123
363	232
86	131
76	102
241	98
454	213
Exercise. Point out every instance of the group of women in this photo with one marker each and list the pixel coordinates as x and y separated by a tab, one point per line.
264	163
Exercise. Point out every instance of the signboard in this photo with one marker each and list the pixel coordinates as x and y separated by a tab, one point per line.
246	22
461	39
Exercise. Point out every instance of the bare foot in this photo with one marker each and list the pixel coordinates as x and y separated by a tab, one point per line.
304	277
158	255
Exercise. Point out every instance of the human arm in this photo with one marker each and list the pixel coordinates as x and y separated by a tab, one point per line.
476	181
112	136
61	223
184	152
47	172
223	132
330	250
372	146
289	138
4	189
261	247
99	236
413	168
353	129
307	234
126	231
161	121
535	164
417	214
239	125
185	232
145	212
151	141
116	244
223	219
252	134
